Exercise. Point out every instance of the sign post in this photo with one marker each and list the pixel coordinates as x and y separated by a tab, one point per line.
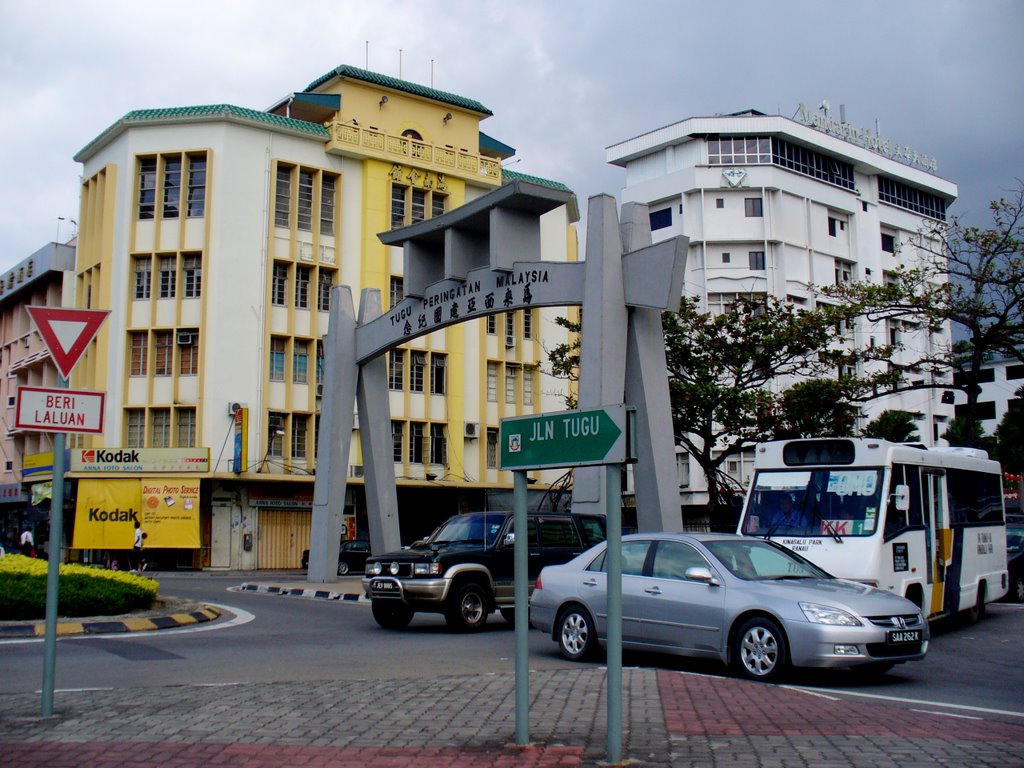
569	439
67	333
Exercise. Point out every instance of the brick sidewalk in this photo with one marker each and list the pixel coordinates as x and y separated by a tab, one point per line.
669	719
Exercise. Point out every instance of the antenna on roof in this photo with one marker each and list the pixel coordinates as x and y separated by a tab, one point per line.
367	65
399	63
431	73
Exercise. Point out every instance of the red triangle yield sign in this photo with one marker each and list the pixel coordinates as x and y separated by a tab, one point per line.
67	332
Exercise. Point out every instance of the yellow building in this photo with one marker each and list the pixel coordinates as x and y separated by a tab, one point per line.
215	233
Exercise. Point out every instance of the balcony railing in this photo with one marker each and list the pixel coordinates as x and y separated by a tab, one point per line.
348	139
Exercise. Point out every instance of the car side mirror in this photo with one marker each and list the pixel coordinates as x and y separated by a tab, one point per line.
509	540
902	497
701	573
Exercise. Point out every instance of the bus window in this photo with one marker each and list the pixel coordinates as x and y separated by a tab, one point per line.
825	502
897	521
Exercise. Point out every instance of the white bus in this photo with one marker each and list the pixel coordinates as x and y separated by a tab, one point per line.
925	523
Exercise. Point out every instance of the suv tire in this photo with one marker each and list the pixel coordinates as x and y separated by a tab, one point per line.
391	614
468	606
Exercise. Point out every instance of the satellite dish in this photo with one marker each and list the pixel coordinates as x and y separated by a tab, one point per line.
825	106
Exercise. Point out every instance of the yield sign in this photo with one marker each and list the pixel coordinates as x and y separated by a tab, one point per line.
67	332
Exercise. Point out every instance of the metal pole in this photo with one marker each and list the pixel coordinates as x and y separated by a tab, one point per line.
521	559
54	555
614	566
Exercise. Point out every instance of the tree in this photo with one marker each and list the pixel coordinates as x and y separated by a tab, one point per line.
970	277
894	425
965	433
1010	436
817	408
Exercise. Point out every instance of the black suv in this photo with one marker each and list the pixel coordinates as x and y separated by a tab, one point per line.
465	569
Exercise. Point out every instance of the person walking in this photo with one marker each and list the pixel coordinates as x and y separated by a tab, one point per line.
28	543
139	563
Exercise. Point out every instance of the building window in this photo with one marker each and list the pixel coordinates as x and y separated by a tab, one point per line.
275	439
492	448
300	361
911	199
172	187
397	205
438	445
511	374
527	386
844	272
835	226
419	205
163	353
492	324
510	324
753	207
192	269
888	243
168	275
438	363
302	275
396	369
278	348
278	288
811	163
397	292
323	290
726	258
143	276
135	428
438	204
283	196
660	219
139	345
147	188
492	382
196	185
739	150
304	218
719	202
416	371
186	437
160	428
299	429
188	353
415	442
396	441
756	260
327	184
319	362
527	323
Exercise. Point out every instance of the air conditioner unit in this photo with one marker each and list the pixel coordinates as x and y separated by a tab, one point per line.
510	342
471	430
234	408
356	470
184	338
319	390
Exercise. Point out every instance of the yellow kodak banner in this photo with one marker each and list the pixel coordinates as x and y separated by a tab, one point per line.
107	510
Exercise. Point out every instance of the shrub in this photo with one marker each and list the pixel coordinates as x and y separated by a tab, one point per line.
83	591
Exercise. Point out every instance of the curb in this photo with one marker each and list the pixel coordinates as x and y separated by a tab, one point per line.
68	628
320	594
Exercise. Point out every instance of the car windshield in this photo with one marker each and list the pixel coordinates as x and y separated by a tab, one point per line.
476	528
817	502
1014	539
758	560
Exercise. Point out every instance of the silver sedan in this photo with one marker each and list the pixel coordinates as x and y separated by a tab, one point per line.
751	603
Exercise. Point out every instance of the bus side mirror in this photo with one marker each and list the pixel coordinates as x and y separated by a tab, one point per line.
902	497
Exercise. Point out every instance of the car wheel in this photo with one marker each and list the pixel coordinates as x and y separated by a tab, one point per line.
391	614
467	607
759	650
342	567
974	614
1017	589
577	633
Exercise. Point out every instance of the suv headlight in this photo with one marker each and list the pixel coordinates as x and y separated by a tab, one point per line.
826	614
373	569
426	569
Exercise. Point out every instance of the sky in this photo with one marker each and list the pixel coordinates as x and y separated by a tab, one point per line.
564	78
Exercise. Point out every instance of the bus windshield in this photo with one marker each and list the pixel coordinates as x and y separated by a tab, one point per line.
814	502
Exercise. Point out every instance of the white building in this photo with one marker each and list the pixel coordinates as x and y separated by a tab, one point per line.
777	205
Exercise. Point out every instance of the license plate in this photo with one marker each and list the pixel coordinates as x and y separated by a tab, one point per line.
382	585
903	636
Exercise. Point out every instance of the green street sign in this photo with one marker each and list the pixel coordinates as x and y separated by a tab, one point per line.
564	439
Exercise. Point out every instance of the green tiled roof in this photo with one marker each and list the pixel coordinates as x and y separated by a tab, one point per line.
399	85
226	110
507	175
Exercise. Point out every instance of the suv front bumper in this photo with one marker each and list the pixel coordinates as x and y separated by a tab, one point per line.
407	590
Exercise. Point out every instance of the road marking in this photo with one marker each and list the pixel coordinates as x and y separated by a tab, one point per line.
902	700
947	714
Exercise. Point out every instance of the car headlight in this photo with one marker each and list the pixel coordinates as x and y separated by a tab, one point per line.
426	569
826	614
373	569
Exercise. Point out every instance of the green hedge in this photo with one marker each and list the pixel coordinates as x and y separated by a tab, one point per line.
83	591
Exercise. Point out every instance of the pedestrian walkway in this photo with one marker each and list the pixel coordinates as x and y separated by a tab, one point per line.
669	719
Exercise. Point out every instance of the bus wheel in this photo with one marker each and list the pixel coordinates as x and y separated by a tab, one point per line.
1017	589
975	614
